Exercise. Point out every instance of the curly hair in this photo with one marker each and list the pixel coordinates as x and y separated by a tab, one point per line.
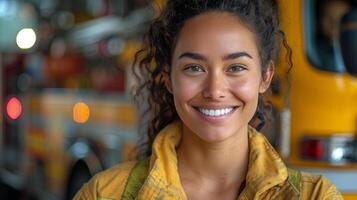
153	61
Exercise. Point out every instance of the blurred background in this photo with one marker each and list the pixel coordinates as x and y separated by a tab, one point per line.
65	85
67	109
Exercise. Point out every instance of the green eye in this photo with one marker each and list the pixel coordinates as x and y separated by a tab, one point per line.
236	68
194	68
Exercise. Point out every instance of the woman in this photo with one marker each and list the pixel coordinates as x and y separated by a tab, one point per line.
205	66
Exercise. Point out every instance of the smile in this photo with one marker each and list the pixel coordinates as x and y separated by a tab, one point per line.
216	112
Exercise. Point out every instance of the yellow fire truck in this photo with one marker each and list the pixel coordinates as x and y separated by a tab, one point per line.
72	136
316	106
67	111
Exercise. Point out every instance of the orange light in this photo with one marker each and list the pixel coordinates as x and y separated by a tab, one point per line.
81	112
14	108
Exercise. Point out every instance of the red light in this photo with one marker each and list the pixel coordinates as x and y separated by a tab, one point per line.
312	149
14	108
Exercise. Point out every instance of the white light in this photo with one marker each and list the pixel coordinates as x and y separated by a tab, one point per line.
26	38
337	154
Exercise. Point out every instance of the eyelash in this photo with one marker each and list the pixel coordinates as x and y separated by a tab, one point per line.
240	67
191	68
198	68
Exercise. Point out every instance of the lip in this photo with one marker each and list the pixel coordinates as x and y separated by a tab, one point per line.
215	119
215	107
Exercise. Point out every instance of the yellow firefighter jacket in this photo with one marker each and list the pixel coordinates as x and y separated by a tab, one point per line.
267	176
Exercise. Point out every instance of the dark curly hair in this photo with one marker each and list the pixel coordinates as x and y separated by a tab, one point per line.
154	60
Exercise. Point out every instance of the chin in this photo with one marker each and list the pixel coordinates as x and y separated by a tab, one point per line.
212	135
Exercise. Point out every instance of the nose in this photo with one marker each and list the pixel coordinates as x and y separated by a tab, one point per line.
215	86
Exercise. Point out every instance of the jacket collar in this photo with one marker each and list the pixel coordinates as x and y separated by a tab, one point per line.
265	168
163	179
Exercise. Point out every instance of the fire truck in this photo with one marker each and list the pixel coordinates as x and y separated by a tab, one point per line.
67	110
315	102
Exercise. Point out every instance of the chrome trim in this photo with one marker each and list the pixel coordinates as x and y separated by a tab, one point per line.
285	132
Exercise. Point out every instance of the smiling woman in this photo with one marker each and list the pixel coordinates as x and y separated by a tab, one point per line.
213	61
216	66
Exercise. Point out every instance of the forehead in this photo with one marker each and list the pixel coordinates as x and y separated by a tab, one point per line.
216	33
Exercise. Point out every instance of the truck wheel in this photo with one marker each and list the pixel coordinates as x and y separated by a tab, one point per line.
79	175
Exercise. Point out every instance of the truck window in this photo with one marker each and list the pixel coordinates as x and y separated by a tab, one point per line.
322	18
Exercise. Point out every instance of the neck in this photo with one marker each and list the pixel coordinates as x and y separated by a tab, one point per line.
224	162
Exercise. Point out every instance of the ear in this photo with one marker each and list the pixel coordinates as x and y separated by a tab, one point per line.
168	83
267	77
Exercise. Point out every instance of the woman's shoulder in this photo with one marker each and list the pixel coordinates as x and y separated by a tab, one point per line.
108	184
317	187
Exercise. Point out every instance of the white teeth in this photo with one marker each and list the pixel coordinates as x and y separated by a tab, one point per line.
215	113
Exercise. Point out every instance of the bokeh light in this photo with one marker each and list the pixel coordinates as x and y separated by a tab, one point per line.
81	112
14	108
26	38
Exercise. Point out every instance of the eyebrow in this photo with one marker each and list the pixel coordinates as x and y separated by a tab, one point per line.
231	56
237	55
191	55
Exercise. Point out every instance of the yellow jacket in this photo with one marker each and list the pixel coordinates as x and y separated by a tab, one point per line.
267	176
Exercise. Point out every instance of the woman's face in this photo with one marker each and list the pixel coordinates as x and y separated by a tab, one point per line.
216	76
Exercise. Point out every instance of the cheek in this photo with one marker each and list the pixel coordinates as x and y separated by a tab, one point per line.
247	90
184	89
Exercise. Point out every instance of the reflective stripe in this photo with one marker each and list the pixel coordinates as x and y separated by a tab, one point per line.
294	179
102	198
136	179
345	180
